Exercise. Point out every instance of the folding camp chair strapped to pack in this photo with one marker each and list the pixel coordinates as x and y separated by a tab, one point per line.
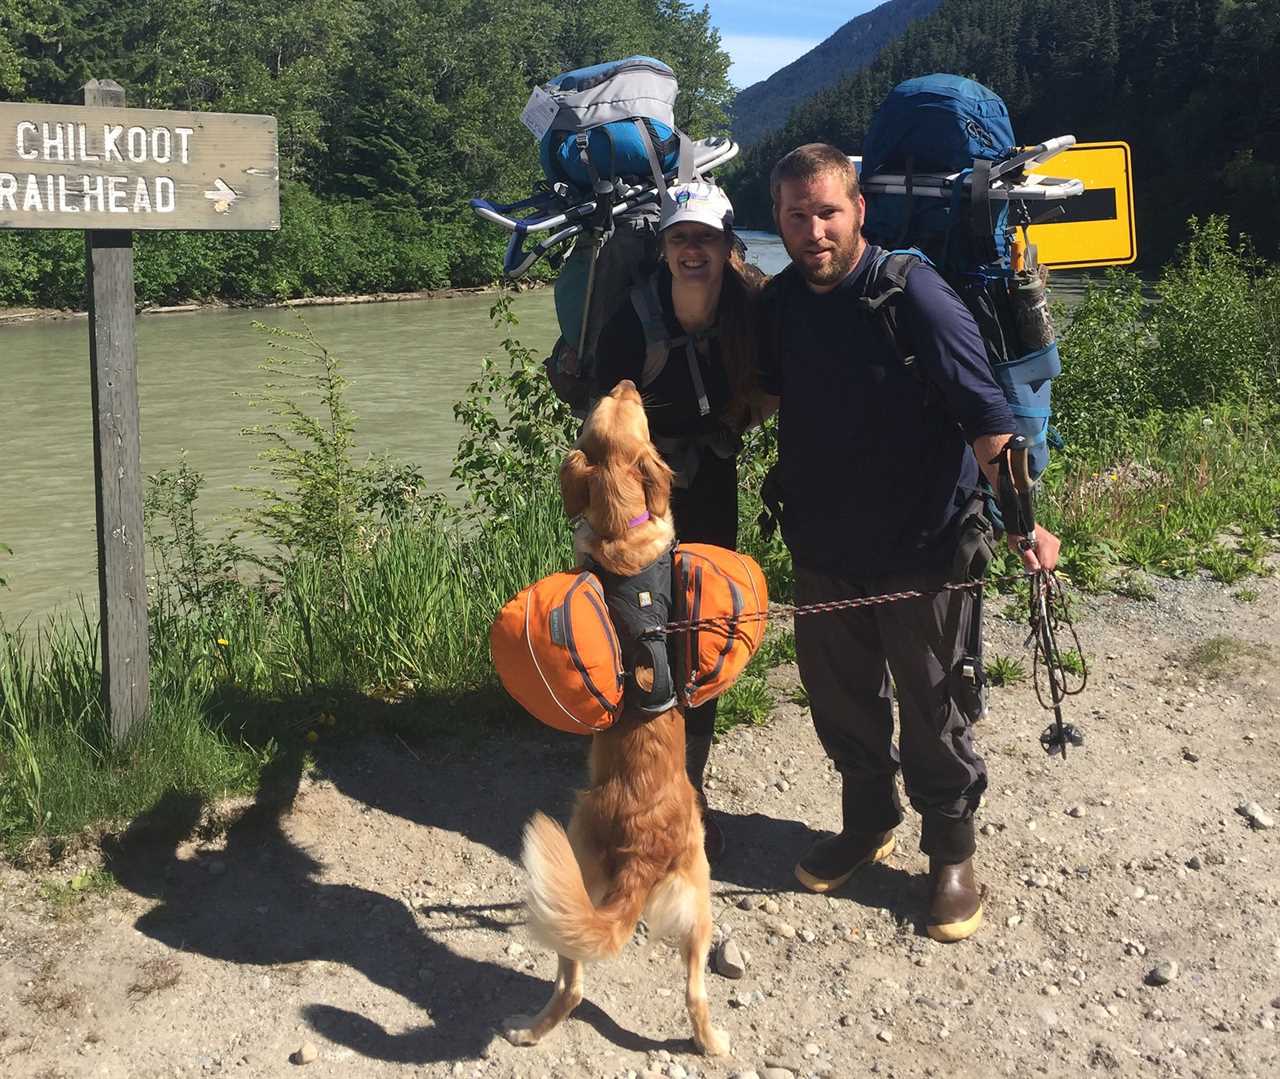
1007	180
559	214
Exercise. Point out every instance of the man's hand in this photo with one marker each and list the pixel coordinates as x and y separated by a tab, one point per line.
1044	555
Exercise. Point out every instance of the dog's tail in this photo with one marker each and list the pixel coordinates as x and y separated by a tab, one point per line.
561	914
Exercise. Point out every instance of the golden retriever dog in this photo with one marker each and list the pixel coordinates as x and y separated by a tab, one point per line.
634	847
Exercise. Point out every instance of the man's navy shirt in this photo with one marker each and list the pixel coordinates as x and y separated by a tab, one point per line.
874	459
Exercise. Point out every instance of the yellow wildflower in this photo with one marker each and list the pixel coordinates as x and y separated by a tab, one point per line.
223	642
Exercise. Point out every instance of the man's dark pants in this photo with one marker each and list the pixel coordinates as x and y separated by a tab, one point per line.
846	659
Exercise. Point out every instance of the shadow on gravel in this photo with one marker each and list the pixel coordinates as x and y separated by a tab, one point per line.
761	853
482	790
258	903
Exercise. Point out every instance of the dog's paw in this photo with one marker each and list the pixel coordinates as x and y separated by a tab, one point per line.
518	1030
716	1043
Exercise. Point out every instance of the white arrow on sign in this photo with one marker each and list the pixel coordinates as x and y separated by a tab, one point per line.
222	196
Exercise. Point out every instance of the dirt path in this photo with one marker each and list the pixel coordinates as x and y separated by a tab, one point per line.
378	918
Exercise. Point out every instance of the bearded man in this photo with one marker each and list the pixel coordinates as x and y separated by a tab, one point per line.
879	467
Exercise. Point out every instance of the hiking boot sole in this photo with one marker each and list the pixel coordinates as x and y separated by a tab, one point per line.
817	884
954	931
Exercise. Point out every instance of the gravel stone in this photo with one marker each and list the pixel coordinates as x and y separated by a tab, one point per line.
1257	816
728	960
1164	972
306	1053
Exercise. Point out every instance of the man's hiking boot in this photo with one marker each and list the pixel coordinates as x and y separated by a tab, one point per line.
832	861
955	901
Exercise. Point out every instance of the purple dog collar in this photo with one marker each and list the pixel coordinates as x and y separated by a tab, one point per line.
638	520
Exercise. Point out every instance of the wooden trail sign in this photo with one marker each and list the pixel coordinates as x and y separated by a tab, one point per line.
93	167
110	170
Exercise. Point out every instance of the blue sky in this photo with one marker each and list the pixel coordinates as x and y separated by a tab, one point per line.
765	35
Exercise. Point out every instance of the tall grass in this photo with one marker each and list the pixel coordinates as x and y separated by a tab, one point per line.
386	617
1172	466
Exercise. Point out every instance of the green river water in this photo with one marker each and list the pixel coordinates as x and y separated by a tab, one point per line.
407	364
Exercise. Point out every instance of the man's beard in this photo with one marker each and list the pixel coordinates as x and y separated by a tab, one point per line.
837	267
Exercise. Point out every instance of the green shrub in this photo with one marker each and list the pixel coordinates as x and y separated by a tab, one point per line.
1208	337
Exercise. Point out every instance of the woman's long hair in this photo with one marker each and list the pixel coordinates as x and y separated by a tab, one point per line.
739	332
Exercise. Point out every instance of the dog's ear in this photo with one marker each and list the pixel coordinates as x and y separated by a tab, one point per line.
575	479
612	489
656	477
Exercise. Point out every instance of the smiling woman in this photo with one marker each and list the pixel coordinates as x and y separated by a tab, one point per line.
687	340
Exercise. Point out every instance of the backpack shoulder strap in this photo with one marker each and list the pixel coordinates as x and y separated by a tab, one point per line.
885	284
657	342
887	278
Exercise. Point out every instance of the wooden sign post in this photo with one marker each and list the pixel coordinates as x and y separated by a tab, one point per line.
110	170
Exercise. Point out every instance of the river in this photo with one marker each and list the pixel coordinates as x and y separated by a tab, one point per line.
407	364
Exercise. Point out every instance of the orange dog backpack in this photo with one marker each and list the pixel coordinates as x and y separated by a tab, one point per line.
725	592
558	653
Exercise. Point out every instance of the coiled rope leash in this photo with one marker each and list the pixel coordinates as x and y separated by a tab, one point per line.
1049	611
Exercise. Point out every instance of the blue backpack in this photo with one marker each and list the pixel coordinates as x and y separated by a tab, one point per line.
615	121
945	124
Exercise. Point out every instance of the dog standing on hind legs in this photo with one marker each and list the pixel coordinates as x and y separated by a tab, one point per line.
634	847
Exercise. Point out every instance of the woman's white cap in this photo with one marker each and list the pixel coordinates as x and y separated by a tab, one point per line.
698	201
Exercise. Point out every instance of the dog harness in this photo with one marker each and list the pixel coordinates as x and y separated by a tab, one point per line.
640	607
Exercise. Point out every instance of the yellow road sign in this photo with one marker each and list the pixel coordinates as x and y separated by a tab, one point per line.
1097	228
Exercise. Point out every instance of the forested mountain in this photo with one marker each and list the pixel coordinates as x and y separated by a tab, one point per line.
399	108
763	107
415	100
393	113
1192	85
